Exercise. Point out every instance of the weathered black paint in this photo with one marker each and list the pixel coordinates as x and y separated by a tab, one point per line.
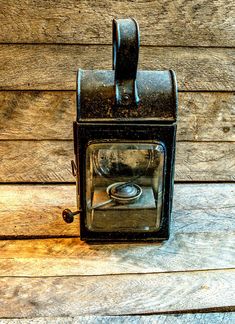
86	133
125	105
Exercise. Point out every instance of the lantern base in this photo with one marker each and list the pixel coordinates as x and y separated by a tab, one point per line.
138	216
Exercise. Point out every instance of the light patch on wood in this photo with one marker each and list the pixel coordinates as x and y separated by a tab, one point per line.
35	210
203	217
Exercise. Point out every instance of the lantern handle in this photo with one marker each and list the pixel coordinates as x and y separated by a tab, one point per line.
126	42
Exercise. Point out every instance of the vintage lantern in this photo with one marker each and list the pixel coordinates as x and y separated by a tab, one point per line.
124	142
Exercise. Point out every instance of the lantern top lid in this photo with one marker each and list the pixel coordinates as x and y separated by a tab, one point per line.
124	94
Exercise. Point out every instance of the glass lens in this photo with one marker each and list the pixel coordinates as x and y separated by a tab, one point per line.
124	186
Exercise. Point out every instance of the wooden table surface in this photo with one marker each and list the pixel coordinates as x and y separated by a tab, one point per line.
66	279
47	275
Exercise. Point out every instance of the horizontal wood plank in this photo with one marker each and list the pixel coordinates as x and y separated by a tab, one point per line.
49	115
49	161
200	161
174	22
193	318
33	161
116	295
206	117
70	256
35	210
53	67
37	114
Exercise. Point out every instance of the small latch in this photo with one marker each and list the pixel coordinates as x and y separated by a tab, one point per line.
68	215
74	168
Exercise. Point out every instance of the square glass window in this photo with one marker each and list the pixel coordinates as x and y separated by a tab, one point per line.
124	186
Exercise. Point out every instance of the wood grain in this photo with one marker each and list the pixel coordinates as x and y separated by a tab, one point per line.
56	277
70	256
203	217
35	210
36	161
206	117
205	161
116	295
49	115
209	207
161	23
205	318
49	161
53	67
37	114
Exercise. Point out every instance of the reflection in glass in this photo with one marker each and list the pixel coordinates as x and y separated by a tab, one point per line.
124	186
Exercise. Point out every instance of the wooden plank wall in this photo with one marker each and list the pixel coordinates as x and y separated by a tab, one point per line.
43	43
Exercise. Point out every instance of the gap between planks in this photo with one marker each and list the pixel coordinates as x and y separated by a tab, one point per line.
110	44
73	90
116	274
206	317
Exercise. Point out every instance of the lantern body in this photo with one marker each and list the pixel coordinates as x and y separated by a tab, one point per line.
124	142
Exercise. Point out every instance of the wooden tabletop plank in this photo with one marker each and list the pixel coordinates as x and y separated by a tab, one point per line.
49	115
35	210
70	256
173	22
53	67
116	295
192	318
49	161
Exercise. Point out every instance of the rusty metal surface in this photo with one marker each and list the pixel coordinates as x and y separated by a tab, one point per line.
125	94
156	90
118	106
126	43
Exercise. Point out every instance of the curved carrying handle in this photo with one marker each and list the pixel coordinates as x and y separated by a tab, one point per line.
126	44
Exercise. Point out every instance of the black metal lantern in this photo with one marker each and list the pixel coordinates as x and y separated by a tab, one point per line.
124	142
